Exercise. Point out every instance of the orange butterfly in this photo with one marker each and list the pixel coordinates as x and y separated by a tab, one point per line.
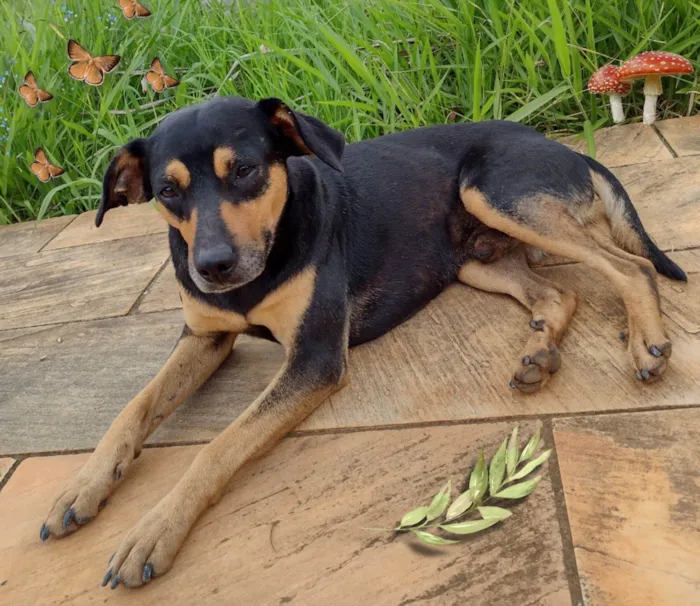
41	167
88	68
158	79
132	9
31	93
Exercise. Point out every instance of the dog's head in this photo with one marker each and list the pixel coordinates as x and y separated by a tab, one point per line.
218	174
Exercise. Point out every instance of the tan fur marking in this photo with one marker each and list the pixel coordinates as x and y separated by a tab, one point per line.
206	319
283	309
187	228
283	119
223	159
177	171
247	221
129	178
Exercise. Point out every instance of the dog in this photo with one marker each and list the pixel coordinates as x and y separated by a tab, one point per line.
278	230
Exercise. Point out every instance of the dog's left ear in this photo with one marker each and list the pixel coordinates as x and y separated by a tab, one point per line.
126	180
305	135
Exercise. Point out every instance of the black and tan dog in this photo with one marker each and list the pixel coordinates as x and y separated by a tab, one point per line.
271	237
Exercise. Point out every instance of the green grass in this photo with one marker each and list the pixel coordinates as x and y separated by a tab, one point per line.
365	67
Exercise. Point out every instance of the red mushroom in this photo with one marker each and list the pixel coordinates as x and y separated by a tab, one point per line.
606	81
651	65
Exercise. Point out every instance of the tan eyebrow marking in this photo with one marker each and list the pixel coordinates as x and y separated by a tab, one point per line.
177	171
223	159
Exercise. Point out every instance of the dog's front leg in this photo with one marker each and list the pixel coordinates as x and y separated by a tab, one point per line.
192	361
312	372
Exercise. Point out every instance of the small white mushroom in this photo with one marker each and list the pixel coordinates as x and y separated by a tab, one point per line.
606	81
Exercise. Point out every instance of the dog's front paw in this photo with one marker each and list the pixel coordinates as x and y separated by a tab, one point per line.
81	500
150	548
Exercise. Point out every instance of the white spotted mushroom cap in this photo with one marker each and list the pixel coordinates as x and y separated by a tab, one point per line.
606	81
654	63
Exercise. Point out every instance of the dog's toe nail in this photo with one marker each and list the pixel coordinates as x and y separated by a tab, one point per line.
537	324
645	374
638	375
45	533
512	384
107	577
526	361
115	582
102	505
623	335
147	572
655	351
68	518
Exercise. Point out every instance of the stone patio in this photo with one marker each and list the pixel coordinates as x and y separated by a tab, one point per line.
88	316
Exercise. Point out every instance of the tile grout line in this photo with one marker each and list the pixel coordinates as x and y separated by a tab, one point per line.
310	433
60	231
11	471
105	241
573	577
659	134
137	303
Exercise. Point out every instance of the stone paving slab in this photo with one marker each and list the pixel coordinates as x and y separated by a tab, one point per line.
633	501
79	283
5	466
122	222
290	530
623	145
682	134
30	237
455	357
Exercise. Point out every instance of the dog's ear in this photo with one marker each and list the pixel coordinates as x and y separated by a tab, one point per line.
305	135
126	180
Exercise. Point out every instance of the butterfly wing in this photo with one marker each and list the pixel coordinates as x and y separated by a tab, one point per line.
78	70
170	82
43	95
141	10
29	95
55	171
30	80
40	166
107	63
93	74
77	52
155	80
157	66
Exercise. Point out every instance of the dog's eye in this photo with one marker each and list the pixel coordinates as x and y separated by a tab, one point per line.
244	170
168	192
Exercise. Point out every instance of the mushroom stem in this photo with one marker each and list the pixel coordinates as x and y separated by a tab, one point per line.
652	90
618	113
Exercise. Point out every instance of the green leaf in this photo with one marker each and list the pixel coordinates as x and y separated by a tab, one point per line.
494	513
413	517
532	465
497	468
532	445
440	502
518	491
469	527
561	44
532	106
479	479
460	505
431	539
512	452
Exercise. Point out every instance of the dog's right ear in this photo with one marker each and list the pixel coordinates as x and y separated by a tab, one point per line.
126	180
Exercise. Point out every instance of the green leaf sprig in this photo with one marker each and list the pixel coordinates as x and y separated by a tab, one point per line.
496	481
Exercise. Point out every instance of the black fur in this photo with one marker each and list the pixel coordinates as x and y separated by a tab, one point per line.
389	232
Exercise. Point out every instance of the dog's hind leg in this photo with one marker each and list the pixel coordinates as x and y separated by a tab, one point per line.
552	308
192	361
565	226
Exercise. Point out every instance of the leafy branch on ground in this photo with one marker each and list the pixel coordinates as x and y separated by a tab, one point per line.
504	478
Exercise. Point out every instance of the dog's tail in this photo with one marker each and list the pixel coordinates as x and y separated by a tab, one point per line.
627	229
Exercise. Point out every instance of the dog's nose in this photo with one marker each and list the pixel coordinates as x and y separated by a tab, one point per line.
215	263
